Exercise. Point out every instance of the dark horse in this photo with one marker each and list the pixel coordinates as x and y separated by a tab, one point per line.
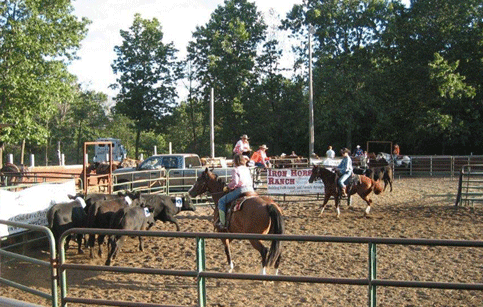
363	186
11	173
257	215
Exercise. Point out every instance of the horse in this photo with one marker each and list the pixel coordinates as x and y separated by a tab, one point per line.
13	172
399	161
102	172
127	162
257	215
363	187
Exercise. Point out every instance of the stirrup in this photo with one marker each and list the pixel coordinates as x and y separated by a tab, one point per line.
220	227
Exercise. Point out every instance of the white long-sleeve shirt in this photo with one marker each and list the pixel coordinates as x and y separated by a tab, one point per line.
240	178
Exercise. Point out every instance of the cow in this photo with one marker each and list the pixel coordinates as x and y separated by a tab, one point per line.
130	218
100	213
165	207
64	216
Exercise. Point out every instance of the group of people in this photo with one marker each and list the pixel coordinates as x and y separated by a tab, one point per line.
259	157
241	181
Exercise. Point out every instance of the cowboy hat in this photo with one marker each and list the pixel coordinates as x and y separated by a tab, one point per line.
263	146
345	150
244	137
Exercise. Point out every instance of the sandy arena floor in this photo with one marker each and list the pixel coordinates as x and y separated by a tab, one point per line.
417	208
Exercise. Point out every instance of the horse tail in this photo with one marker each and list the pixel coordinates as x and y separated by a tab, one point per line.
277	227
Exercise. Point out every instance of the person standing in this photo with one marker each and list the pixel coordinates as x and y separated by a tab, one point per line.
242	147
395	152
330	153
241	182
344	169
359	151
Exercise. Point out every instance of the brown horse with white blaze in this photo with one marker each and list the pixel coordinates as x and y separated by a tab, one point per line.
363	187
257	215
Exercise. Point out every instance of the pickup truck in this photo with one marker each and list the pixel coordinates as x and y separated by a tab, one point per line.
173	172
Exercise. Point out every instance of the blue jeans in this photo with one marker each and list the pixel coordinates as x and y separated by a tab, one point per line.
343	177
226	199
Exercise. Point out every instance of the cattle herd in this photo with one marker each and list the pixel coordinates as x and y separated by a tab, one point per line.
128	211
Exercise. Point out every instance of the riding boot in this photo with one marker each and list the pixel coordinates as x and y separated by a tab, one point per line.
221	221
343	190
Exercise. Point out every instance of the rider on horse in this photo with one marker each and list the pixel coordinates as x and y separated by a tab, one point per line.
344	169
241	182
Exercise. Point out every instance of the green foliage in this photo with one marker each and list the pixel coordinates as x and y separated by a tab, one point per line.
37	39
223	56
147	74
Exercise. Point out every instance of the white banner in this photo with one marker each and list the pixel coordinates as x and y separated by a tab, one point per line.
292	181
30	205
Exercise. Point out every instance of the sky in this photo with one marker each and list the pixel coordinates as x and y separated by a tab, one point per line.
178	18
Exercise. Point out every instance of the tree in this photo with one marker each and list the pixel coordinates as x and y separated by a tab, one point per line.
147	72
37	41
223	56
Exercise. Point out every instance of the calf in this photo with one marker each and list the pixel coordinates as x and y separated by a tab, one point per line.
131	218
165	207
64	216
99	216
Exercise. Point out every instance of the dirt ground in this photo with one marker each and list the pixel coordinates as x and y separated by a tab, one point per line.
417	208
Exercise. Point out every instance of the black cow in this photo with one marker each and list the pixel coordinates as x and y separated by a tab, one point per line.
99	216
131	218
64	216
164	207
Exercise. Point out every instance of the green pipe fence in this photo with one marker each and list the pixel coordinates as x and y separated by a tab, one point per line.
53	296
201	274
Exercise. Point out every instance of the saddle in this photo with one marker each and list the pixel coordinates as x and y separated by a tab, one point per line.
349	183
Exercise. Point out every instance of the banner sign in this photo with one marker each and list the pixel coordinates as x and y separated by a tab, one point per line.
30	205
292	181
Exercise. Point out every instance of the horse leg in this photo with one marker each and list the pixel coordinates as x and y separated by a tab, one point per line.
277	263
263	253
226	242
326	200
337	203
365	197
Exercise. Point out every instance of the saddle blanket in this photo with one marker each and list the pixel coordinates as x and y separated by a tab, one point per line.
239	202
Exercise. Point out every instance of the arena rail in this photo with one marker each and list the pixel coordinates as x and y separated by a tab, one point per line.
53	296
437	165
201	274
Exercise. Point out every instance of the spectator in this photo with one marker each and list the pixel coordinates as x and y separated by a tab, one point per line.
242	147
330	153
359	151
260	158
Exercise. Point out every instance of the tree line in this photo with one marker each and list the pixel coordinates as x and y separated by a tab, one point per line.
382	70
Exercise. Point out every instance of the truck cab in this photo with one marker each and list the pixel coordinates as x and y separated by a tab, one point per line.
181	169
101	151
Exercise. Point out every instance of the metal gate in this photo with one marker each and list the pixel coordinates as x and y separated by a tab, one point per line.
51	265
470	187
